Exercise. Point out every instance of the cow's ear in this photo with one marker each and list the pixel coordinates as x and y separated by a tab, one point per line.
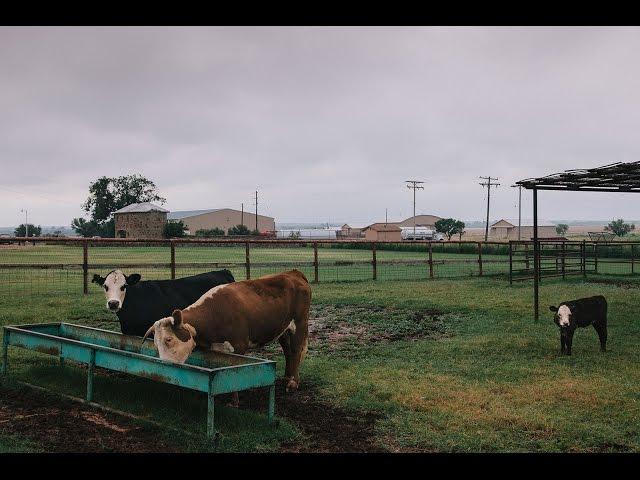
177	317
97	279
553	309
191	330
133	278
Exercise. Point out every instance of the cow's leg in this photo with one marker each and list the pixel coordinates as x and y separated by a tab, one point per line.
602	334
569	341
563	346
299	343
285	343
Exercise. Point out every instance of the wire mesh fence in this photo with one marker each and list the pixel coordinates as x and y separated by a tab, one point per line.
53	266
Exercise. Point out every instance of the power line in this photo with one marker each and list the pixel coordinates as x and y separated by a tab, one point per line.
414	185
488	184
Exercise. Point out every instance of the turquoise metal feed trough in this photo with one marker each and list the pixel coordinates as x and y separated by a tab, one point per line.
213	373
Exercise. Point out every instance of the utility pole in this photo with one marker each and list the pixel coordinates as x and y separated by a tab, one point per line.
385	216
242	214
488	184
519	208
414	185
26	222
256	210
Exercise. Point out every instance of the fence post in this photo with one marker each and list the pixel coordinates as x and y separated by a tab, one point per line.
562	264
173	260
480	258
510	263
374	261
584	258
430	260
315	262
595	257
632	260
85	266
526	257
247	261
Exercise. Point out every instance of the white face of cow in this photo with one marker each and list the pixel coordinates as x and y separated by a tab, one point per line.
115	287
173	339
563	315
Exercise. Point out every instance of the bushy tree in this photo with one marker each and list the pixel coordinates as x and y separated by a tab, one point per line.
619	227
21	231
450	227
212	232
175	229
239	230
562	228
106	195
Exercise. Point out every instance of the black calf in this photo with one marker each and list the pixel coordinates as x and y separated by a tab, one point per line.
581	313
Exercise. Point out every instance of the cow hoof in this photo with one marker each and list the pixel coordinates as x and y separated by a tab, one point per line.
292	386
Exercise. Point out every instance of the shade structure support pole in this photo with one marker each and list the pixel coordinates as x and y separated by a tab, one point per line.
536	257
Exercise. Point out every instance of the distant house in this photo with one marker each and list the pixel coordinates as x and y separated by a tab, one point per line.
389	232
223	218
507	229
347	231
140	220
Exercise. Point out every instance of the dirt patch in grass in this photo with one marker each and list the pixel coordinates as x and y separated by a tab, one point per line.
60	425
325	427
346	328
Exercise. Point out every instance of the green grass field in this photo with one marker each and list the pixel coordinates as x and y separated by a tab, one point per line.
478	375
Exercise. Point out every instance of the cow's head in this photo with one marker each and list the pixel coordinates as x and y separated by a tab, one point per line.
173	338
563	315
115	287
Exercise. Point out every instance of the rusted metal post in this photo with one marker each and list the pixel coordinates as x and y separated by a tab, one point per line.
315	262
85	266
247	261
173	260
271	409
595	257
536	258
480	258
510	263
583	254
374	262
562	263
430	260
526	257
632	259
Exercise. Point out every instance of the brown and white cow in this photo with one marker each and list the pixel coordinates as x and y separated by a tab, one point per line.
240	316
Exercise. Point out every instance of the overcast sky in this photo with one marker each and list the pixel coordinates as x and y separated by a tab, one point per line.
326	123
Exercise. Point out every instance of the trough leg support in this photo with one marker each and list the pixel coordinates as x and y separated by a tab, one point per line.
90	369
211	427
5	351
272	403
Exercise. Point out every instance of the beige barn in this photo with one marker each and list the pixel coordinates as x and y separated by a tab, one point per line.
223	218
508	230
383	232
428	221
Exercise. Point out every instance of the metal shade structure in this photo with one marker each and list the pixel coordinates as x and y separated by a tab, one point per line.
612	178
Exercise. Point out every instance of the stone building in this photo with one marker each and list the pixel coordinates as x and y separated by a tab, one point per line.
140	220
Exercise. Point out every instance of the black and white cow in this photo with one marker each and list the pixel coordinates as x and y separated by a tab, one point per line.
581	313
139	304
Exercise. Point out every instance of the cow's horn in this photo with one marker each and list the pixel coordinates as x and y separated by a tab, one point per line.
152	328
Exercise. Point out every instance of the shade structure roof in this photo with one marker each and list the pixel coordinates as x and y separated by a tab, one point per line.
616	177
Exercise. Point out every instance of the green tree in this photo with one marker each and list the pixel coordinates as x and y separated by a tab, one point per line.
619	227
211	232
562	228
450	227
239	230
21	231
175	229
106	195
